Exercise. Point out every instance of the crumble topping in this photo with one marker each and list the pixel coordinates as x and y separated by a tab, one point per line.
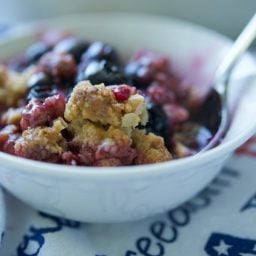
13	87
150	148
42	143
98	104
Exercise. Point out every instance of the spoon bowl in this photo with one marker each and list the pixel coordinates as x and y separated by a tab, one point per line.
219	120
116	194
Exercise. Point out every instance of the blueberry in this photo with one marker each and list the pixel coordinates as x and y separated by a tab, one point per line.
100	51
40	92
39	87
101	72
157	121
36	51
138	75
39	79
72	46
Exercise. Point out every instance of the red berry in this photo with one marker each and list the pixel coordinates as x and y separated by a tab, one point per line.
121	92
160	94
34	114
55	105
60	65
37	114
70	158
9	144
175	113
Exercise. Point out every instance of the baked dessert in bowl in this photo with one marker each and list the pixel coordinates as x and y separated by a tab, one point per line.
70	101
122	161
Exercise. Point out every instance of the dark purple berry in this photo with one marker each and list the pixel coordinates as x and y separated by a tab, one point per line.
36	51
101	72
40	92
157	121
138	75
144	67
209	114
73	46
100	51
39	79
40	86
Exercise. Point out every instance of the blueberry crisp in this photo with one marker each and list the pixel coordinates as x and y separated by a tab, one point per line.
70	101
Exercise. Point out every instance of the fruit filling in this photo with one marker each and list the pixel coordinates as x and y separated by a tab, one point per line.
70	101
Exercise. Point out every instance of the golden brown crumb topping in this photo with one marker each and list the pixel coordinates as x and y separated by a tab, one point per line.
150	148
98	104
42	143
13	87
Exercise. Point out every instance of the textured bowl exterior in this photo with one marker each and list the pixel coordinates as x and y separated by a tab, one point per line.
130	193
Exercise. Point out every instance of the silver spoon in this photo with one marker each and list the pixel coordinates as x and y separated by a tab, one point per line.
222	77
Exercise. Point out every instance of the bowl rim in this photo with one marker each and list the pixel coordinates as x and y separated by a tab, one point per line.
28	26
170	167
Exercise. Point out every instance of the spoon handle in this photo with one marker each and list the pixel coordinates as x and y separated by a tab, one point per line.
241	44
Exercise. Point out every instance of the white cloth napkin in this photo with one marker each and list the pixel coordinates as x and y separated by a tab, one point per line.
220	221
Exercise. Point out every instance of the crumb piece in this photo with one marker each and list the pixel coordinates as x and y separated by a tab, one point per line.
13	87
86	131
97	145
99	104
116	145
42	143
150	148
8	136
180	150
11	116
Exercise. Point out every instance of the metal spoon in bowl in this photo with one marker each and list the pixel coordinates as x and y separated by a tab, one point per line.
218	96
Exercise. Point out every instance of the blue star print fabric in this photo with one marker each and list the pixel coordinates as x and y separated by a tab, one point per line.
219	221
222	244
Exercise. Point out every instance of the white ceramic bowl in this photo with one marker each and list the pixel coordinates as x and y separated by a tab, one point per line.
131	193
